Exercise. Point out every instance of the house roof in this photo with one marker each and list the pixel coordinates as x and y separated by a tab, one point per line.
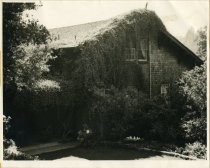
182	47
73	36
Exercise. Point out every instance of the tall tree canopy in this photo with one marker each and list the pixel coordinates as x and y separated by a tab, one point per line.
202	43
17	31
193	85
193	82
25	52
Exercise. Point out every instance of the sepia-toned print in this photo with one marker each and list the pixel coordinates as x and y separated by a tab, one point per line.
105	80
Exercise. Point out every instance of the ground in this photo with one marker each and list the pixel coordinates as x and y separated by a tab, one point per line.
73	151
101	153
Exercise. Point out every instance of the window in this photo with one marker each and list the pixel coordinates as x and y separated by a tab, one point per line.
133	53
141	54
144	48
164	89
138	52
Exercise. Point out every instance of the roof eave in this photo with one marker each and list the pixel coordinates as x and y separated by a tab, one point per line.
182	46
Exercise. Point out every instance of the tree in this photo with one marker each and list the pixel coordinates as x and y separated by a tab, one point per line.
25	57
193	82
193	85
202	43
18	31
30	63
10	151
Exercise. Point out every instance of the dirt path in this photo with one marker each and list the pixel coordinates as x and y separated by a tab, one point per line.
105	153
48	147
163	157
72	151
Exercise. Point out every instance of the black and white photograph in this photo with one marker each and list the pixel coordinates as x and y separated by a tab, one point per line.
116	81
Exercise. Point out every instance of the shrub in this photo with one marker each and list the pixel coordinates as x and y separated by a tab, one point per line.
85	136
193	85
155	121
196	149
195	129
10	151
30	64
112	110
127	112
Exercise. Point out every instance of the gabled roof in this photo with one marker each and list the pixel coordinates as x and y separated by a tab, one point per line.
73	36
182	48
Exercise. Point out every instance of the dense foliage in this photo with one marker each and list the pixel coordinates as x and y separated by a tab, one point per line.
11	151
30	64
193	85
20	67
25	54
196	149
94	87
18	31
127	112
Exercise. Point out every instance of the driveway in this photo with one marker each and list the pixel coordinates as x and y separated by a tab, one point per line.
104	153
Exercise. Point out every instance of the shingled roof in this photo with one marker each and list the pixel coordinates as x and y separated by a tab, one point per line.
72	36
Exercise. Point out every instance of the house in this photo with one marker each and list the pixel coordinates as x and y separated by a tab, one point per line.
136	46
130	50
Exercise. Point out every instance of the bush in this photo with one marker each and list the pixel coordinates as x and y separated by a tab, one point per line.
10	151
195	130
127	112
156	121
111	110
196	149
86	136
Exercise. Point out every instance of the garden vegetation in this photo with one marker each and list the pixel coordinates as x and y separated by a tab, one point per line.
95	85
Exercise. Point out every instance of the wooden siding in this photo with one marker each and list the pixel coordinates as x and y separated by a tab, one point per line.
166	68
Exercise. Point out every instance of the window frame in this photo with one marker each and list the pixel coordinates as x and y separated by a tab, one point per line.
132	53
164	89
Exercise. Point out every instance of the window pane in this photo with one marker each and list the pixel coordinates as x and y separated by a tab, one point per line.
164	89
141	54
133	54
144	48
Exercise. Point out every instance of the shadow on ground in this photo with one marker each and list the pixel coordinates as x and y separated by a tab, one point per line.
99	153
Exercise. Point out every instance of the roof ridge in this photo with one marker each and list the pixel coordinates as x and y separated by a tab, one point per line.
79	24
108	19
74	35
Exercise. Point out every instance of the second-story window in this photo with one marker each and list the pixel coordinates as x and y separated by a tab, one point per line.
133	53
143	49
139	52
164	89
